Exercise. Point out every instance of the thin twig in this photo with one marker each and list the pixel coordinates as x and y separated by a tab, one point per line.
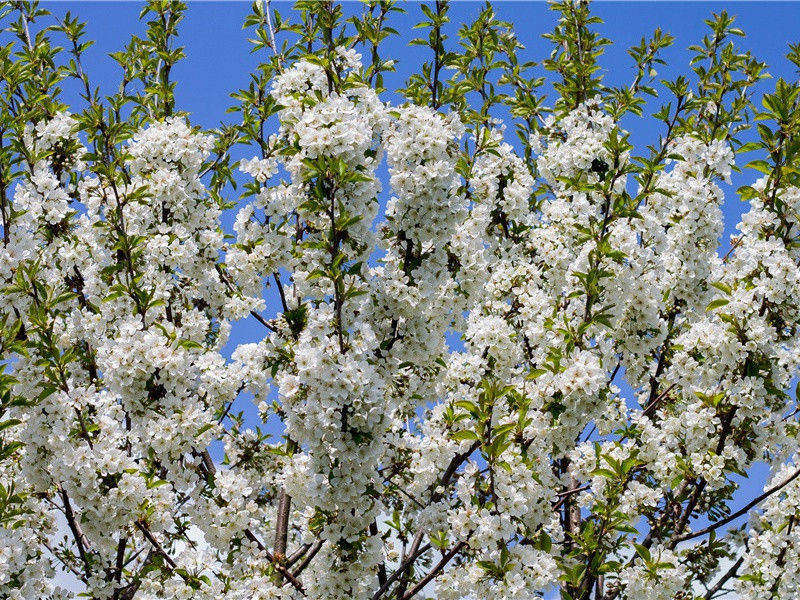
409	560
567	493
438	568
275	563
308	557
722	580
142	526
738	513
77	532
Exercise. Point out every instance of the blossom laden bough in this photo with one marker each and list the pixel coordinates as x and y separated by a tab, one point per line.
459	316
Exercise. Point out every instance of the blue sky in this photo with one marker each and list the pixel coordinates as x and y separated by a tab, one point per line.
219	60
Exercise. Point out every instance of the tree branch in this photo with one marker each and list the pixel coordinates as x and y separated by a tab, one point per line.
275	563
77	532
738	513
438	568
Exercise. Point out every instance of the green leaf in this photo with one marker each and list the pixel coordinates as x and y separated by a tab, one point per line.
643	552
717	303
464	434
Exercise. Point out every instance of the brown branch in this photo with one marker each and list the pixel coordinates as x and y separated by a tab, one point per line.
727	422
412	551
281	293
309	557
781	560
567	493
232	288
297	555
650	408
275	563
373	531
435	570
683	520
453	467
409	560
738	513
722	580
119	565
284	499
208	463
142	526
77	532
69	567
282	524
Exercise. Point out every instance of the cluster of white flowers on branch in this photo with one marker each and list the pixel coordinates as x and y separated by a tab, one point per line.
458	318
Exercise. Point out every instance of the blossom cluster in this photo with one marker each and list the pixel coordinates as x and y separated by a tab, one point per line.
437	406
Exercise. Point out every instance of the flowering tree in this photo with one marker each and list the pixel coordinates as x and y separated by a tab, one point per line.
408	464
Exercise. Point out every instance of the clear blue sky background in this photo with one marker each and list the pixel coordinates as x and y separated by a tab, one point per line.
218	61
